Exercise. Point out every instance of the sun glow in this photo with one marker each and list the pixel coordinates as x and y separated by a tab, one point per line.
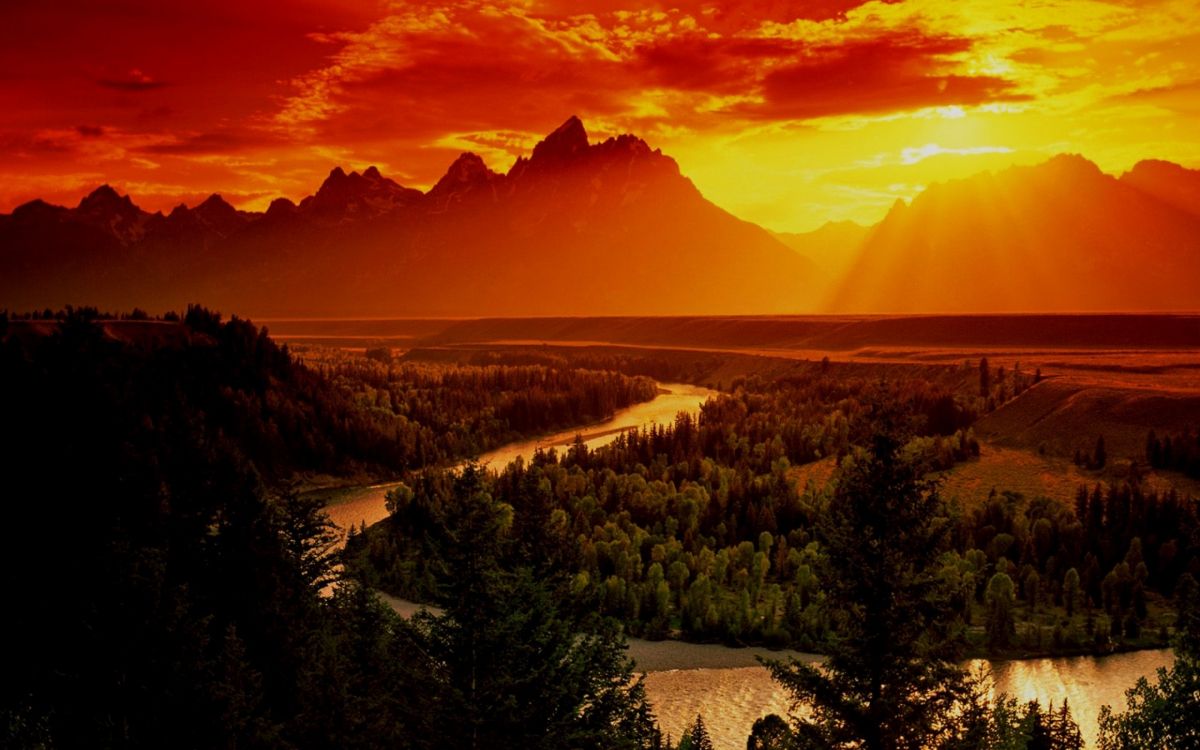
777	111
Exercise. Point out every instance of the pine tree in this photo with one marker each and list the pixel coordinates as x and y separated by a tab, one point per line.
891	681
513	665
696	736
1099	455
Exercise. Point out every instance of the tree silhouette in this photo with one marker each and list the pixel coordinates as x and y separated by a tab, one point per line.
891	680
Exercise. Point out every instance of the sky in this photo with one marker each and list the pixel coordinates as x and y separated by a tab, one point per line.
788	114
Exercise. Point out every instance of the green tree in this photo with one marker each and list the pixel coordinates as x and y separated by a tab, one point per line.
696	736
1071	591
771	732
891	680
1163	714
514	664
1001	624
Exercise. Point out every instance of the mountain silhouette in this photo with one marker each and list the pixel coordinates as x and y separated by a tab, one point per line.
575	228
1057	236
613	228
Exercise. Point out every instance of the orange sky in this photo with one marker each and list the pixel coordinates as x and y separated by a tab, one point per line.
786	117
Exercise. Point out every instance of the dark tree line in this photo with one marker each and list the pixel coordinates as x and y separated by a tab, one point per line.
1178	452
164	591
350	415
426	413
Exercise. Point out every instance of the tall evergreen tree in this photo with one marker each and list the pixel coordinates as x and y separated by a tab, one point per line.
513	665
696	736
891	680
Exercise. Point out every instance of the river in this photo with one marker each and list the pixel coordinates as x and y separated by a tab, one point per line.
732	691
351	506
732	698
727	685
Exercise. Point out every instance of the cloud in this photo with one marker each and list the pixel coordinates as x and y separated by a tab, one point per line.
223	142
903	70
134	81
446	68
921	153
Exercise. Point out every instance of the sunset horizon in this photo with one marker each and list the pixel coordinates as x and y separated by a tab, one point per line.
344	168
788	116
600	375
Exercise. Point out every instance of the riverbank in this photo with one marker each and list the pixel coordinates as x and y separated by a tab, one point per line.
354	505
673	654
732	689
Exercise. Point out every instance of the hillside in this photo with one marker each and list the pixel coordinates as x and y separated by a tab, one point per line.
832	247
817	333
1058	236
1060	416
575	228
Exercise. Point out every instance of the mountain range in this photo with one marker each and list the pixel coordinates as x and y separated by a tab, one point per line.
613	228
1057	236
575	228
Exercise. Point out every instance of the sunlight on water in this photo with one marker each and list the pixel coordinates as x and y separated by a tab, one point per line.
1088	683
661	410
356	505
731	700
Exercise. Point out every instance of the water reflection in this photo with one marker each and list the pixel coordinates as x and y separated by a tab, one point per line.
1087	682
733	699
356	505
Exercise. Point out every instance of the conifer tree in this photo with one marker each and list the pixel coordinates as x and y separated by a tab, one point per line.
891	680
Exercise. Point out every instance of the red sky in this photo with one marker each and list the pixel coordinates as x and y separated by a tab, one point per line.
785	113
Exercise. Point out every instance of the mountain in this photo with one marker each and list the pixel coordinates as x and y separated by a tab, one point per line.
574	228
1170	183
832	247
1057	236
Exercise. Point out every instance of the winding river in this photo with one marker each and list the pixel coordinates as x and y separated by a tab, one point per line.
351	506
728	686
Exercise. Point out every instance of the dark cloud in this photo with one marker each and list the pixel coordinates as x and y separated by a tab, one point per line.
133	81
896	71
717	66
38	145
90	131
210	143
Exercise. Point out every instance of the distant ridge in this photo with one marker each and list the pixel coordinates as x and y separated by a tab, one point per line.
574	228
613	228
1058	236
778	332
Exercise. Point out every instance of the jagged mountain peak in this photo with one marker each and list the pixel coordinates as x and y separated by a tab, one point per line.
1073	164
215	202
106	198
368	193
568	140
468	169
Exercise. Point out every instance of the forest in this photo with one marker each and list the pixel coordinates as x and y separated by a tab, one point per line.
700	529
173	587
166	582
